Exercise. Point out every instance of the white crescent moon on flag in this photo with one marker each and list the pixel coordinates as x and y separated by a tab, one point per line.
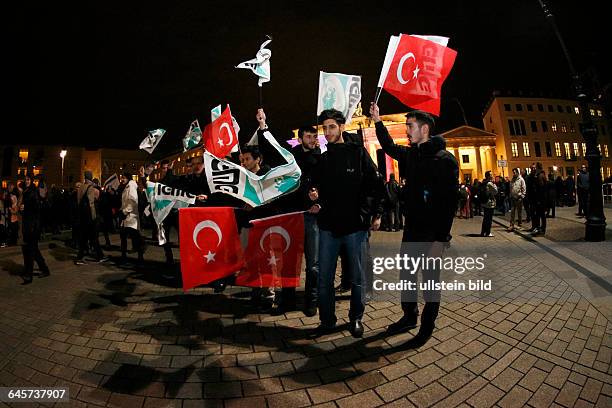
206	224
276	230
400	66
227	127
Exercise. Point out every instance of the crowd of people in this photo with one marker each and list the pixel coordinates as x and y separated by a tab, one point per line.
343	197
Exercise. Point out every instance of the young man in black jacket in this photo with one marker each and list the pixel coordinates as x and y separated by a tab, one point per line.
430	195
347	186
30	210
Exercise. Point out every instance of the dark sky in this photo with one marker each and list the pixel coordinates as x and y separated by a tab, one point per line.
103	73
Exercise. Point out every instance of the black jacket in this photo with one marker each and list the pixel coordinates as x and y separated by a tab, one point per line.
350	189
307	161
430	194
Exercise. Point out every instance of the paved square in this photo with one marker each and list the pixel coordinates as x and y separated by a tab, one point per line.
130	338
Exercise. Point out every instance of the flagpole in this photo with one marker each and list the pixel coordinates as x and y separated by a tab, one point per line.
378	92
261	96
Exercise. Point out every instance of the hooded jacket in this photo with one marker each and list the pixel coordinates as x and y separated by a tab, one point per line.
431	191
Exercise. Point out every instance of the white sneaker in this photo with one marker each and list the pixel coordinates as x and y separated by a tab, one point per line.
490	235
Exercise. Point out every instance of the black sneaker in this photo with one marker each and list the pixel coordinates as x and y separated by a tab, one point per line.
403	325
356	328
103	259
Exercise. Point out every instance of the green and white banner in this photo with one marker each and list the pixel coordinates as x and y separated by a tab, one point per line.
233	179
339	91
163	199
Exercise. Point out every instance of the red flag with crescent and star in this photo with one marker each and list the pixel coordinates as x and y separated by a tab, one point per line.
209	245
274	252
219	136
415	69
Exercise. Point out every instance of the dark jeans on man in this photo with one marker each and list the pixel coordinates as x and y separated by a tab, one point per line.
393	217
31	253
329	248
540	217
137	241
88	237
169	223
487	221
583	199
409	298
311	254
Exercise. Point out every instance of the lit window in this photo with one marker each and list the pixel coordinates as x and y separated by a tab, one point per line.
23	155
583	149
576	150
577	110
599	113
606	150
5	183
526	149
563	127
514	146
558	149
608	175
568	152
554	126
599	147
592	112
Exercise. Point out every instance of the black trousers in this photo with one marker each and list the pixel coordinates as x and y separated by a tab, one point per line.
31	253
431	296
137	241
583	199
487	221
169	223
88	237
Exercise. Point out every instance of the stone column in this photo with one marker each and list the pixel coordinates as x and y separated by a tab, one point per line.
479	174
493	158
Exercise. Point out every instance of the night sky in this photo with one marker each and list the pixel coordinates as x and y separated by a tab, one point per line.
101	74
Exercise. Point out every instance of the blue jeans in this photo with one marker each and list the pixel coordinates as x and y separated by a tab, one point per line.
329	247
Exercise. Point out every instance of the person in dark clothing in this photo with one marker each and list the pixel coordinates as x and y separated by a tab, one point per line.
560	194
87	197
476	199
531	182
582	188
392	212
171	222
551	196
31	212
432	175
540	200
307	156
490	202
347	184
570	189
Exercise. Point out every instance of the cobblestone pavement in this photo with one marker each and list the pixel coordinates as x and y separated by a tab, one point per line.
120	337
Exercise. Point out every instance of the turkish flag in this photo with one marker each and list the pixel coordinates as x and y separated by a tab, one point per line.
274	252
209	245
220	136
416	72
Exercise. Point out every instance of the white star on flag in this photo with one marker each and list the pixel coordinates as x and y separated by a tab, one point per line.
220	142
210	257
272	260
415	72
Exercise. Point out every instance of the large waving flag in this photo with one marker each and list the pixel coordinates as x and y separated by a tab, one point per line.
150	142
215	113
112	182
229	178
163	199
193	136
260	65
339	91
415	68
220	135
274	252
209	245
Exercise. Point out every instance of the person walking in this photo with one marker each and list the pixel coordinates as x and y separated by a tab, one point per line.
489	205
31	207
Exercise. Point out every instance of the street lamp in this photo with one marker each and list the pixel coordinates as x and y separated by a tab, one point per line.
63	155
595	226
